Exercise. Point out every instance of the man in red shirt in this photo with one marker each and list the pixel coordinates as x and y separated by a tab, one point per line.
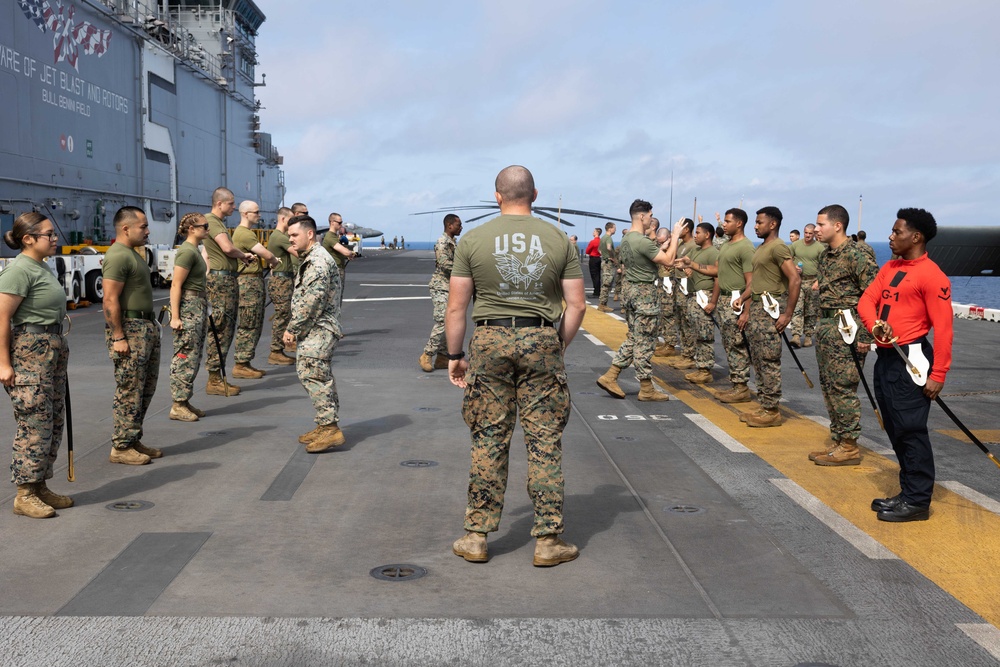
909	297
593	252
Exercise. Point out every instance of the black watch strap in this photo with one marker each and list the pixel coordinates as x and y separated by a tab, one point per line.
456	357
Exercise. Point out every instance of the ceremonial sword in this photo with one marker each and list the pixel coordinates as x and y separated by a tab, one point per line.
70	470
773	305
845	331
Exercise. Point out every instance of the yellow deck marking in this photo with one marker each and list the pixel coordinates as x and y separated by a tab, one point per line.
957	549
985	435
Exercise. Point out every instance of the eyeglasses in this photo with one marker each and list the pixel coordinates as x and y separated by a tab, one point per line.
51	236
256	212
205	226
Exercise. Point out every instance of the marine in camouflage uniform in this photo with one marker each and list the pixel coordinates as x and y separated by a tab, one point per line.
701	321
667	329
609	265
806	309
251	292
435	353
280	285
680	302
189	343
844	274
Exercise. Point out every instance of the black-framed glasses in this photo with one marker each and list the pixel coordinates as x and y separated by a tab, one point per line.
52	236
205	226
257	212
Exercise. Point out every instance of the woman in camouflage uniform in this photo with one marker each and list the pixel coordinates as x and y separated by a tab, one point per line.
188	316
33	359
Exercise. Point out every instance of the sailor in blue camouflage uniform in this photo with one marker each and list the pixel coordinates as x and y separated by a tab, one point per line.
315	328
520	269
435	354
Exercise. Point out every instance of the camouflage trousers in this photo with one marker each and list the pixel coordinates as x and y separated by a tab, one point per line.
436	344
189	343
316	376
516	371
39	400
838	378
806	309
684	330
223	297
667	328
703	334
732	341
343	287
765	352
280	288
640	303
251	322
135	379
608	269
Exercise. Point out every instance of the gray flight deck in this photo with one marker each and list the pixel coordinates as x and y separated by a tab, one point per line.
243	550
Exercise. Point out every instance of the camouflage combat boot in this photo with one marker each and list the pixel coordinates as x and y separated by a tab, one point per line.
247	372
51	498
151	452
200	413
700	376
441	362
28	503
664	350
426	365
180	412
847	454
740	393
472	547
682	363
280	359
647	392
764	418
609	382
807	341
327	436
129	457
605	309
216	387
306	438
551	550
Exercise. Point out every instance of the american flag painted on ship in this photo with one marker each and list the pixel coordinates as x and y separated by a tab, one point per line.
68	37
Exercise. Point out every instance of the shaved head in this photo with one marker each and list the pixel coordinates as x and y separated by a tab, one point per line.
221	195
516	185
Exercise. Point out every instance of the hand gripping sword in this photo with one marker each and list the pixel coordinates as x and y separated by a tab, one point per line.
771	307
70	470
848	333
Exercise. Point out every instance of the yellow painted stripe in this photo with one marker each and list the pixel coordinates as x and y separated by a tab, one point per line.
958	548
984	434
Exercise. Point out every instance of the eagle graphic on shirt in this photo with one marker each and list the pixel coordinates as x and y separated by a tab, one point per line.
513	271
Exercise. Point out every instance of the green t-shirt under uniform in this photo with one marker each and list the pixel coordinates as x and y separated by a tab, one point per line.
607	247
245	240
767	273
124	265
517	263
707	256
735	260
636	253
683	250
217	260
190	258
329	240
43	301
808	254
278	244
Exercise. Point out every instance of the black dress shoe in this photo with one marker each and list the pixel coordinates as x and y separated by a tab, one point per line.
880	504
904	511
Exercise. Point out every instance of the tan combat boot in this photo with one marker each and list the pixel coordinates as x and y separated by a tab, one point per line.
740	393
200	413
616	297
426	365
216	387
647	392
327	436
280	359
700	376
551	550
807	342
664	350
829	446
472	547
605	309
151	452
441	362
764	418
180	412
51	498
129	457
306	438
247	372
27	503
847	454
609	382
794	341
292	347
682	363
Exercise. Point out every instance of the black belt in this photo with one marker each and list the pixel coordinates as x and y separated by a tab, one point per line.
194	293
515	322
830	313
38	328
138	315
222	272
282	274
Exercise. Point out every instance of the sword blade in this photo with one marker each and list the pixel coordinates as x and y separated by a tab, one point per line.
70	471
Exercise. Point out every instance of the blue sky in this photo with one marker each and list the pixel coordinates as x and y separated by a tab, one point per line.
385	109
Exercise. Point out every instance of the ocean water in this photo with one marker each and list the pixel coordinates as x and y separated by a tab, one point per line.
977	290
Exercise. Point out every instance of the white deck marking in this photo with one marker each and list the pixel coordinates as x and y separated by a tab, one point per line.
859	539
983	634
390	298
594	339
863	441
973	495
723	438
617	317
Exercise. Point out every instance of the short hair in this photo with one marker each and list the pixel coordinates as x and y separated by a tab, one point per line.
284	210
298	207
796	232
689	224
188	221
329	218
516	184
772	212
862	235
608	226
639	206
836	213
811	224
655	222
221	195
25	225
919	220
304	221
450	218
575	240
247	204
739	214
719	231
127	214
708	229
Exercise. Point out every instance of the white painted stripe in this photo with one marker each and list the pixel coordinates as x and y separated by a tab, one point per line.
393	285
611	353
617	317
723	438
863	441
859	539
594	339
983	634
390	298
973	495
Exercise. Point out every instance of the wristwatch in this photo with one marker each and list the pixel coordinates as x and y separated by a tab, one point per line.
456	357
